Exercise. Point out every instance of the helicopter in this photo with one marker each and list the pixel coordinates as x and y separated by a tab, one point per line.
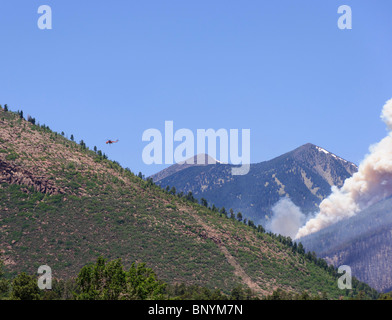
112	141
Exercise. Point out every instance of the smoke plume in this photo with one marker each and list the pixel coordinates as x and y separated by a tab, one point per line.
286	219
372	183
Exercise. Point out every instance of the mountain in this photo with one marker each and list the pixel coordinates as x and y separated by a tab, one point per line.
177	167
63	205
305	174
363	242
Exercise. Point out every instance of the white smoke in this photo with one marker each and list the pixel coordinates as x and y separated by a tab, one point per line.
286	219
372	183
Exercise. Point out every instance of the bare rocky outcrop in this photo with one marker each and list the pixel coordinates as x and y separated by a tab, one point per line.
13	174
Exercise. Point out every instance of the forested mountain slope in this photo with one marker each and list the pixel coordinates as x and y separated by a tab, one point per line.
305	174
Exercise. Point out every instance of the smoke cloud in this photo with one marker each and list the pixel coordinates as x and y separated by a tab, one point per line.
372	183
286	219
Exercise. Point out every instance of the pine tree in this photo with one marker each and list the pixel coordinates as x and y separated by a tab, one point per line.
223	211
237	293
109	281
30	119
173	191
3	282
24	287
82	144
300	248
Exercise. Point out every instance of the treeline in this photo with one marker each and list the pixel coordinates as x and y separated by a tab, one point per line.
42	127
299	249
280	294
359	288
108	280
222	212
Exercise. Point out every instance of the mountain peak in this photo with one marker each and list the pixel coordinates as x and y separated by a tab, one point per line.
317	152
201	159
310	146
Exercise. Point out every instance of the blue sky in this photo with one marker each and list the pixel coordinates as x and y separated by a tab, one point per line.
112	69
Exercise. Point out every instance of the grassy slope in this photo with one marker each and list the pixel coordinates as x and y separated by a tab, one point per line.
106	210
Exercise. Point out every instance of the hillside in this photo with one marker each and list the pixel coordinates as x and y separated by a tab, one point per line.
363	242
64	205
305	174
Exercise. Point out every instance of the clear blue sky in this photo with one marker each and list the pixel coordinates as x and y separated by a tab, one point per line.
112	69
